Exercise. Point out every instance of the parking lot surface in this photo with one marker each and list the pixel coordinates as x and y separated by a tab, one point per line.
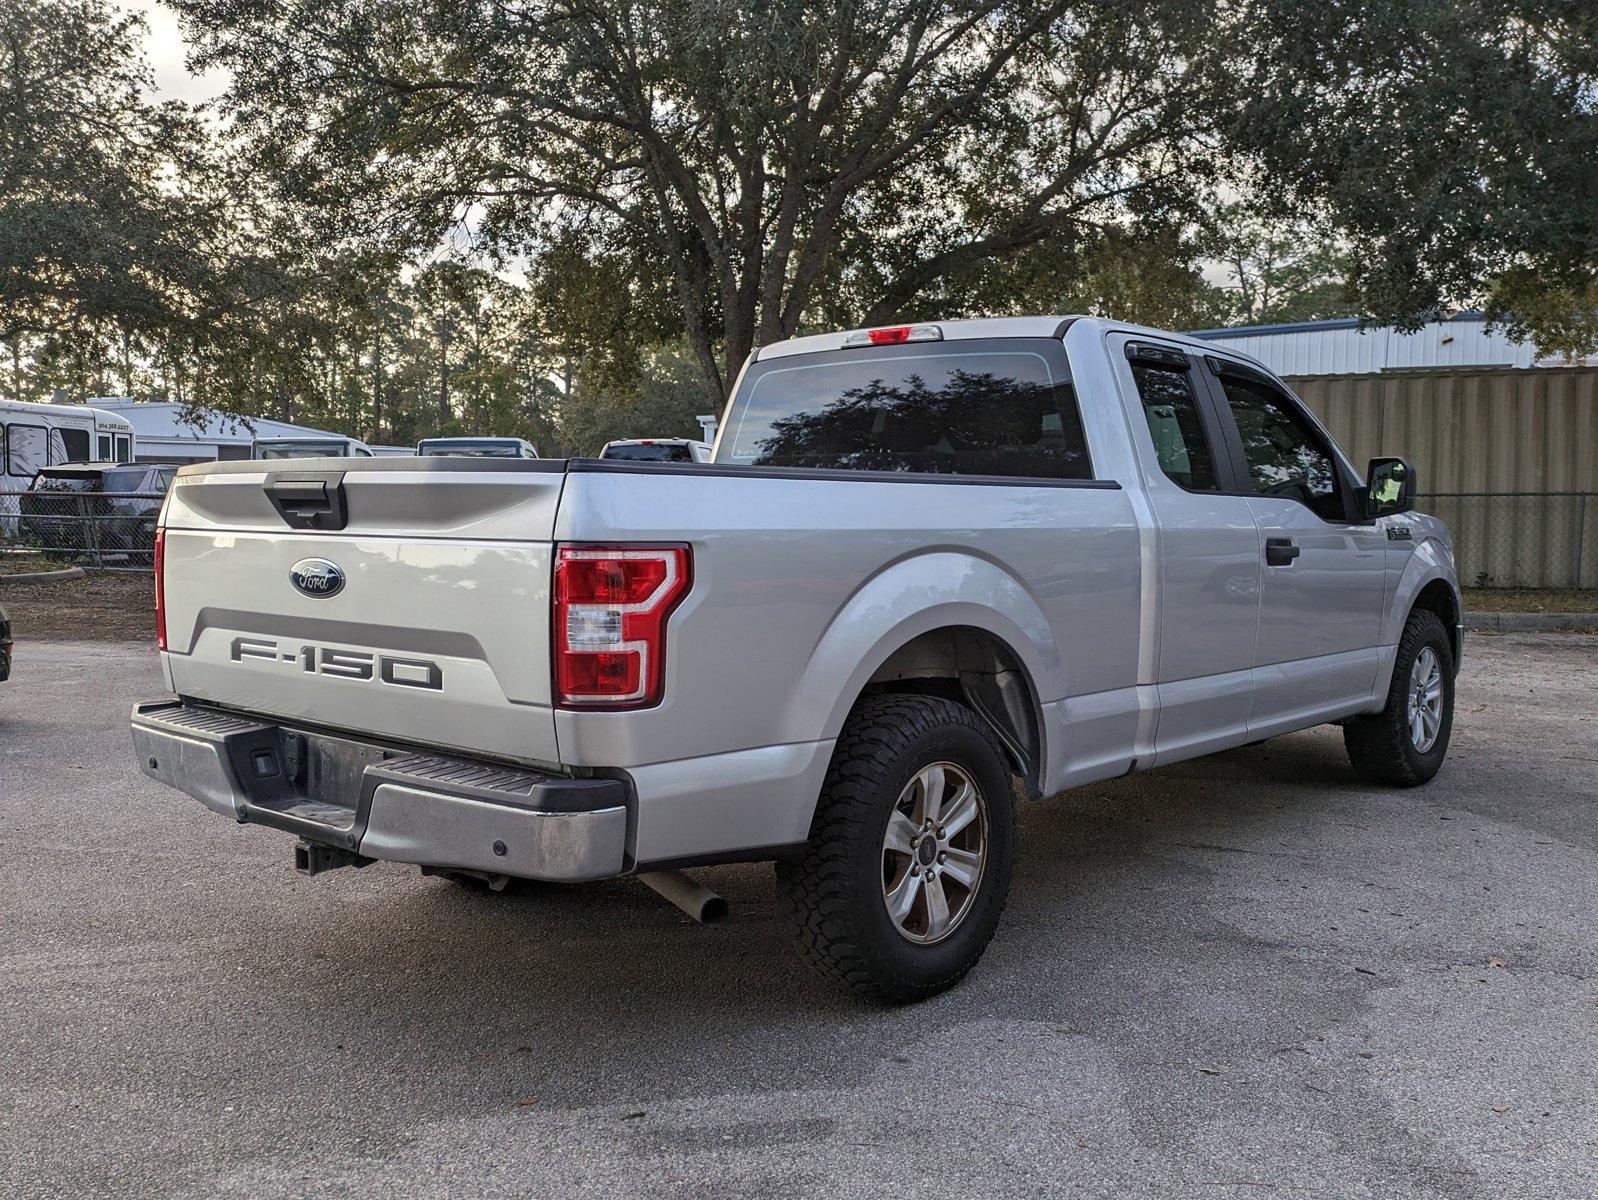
1243	976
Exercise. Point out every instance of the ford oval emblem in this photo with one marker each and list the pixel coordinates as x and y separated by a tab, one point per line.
317	577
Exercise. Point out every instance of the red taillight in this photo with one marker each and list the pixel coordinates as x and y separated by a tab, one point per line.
610	610
889	337
160	589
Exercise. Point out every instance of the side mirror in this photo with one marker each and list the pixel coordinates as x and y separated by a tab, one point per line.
1389	487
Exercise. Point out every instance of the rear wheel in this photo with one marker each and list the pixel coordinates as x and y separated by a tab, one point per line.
908	866
1406	742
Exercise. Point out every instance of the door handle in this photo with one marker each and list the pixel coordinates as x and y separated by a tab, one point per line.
1280	552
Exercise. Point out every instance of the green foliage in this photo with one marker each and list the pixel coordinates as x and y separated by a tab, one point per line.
1281	270
109	204
572	220
1555	307
661	400
1453	144
769	166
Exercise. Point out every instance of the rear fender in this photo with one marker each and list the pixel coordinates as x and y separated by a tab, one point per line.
930	591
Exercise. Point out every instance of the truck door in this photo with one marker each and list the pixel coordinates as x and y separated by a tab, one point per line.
1208	554
1324	577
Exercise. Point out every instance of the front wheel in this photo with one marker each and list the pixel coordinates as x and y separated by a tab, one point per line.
908	865
1406	742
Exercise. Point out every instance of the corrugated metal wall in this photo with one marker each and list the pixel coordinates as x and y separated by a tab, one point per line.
1342	347
1499	432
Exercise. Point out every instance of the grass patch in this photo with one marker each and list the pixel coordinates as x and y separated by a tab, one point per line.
1531	600
29	563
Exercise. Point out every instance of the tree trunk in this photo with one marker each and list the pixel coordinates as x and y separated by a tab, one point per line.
377	383
444	413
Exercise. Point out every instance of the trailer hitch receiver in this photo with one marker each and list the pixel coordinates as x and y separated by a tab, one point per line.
312	858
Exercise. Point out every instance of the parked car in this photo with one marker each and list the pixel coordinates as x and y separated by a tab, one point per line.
309	447
95	509
931	565
5	645
657	450
476	447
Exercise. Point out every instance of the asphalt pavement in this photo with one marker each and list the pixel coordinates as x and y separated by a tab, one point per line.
1246	976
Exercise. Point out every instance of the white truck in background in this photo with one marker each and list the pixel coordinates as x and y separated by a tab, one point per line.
476	447
309	447
656	450
927	562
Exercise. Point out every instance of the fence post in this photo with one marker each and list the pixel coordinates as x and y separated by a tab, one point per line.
91	529
1581	532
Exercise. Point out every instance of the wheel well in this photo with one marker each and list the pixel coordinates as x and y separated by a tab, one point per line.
1437	597
979	670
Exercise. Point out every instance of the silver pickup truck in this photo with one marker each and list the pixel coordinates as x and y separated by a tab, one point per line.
931	569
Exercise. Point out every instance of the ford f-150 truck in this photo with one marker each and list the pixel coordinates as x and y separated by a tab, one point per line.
932	569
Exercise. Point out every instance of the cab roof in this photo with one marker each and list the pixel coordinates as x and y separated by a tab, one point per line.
997	327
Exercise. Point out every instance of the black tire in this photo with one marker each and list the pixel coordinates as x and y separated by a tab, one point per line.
1380	745
834	891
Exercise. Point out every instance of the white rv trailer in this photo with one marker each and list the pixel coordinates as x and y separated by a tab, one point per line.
35	436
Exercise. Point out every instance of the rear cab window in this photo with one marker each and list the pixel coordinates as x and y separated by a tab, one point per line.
276	450
994	406
651	452
90	481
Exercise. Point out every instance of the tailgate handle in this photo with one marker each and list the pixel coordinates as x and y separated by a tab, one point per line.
311	501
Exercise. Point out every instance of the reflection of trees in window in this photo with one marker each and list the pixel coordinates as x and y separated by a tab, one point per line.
1173	419
976	422
1282	457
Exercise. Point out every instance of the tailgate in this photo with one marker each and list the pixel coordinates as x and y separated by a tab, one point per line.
402	598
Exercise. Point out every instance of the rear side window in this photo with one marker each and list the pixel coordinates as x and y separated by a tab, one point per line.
27	449
76	444
988	407
1172	412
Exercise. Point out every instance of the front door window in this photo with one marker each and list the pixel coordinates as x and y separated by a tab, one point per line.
1286	456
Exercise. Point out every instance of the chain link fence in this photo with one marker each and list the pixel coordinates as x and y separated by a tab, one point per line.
1520	539
1501	539
109	531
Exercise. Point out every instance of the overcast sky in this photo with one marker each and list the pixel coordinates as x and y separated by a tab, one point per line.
164	46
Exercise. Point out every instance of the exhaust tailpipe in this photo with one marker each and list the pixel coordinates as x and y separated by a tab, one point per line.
695	899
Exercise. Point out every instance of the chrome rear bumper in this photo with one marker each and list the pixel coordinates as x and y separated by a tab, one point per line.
386	803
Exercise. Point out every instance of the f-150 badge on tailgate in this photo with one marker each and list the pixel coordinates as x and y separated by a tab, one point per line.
317	577
343	664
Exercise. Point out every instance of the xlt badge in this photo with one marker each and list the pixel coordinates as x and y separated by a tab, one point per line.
317	577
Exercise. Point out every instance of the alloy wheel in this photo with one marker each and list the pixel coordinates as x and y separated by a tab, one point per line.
934	853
